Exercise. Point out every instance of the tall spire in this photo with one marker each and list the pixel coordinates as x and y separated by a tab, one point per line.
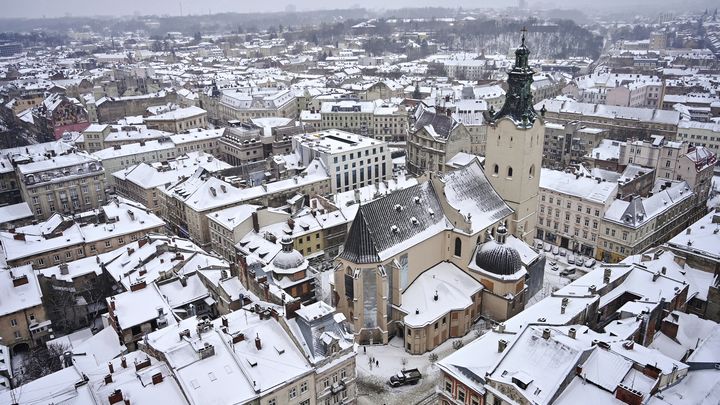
518	100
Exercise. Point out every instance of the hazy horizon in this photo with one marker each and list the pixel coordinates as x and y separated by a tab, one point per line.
53	8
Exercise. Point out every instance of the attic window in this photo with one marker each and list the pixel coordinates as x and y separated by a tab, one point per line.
417	200
398	207
414	220
279	351
252	363
394	229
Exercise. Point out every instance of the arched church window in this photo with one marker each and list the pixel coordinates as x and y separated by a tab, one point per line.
532	171
510	172
458	247
496	169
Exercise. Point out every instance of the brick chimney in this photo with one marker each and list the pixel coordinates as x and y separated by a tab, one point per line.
258	342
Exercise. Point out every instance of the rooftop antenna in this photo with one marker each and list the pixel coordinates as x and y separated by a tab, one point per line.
181	14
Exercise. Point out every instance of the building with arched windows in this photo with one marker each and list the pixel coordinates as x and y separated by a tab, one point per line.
514	148
426	262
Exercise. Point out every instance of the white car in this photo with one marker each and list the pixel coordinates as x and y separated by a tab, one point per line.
590	262
579	261
555	250
548	247
563	252
571	259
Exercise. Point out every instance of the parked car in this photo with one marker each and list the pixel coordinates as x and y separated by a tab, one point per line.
590	262
539	245
405	377
553	264
555	250
554	268
548	247
571	259
579	261
568	271
563	252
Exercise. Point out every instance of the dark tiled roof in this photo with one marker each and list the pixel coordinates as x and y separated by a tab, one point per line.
393	219
441	123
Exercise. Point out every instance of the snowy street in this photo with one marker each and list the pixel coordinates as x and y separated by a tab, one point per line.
372	380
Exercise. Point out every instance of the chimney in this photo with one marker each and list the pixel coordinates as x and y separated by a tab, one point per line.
142	242
138	285
224	321
628	395
629	345
592	289
123	362
669	328
436	296
18	281
110	367
157	378
255	222
501	328
655	276
143	364
112	303
64	269
183	281
238	338
108	379
258	342
606	276
572	333
115	397
546	333
502	344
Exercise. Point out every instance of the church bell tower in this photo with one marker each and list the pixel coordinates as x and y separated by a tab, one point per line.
515	146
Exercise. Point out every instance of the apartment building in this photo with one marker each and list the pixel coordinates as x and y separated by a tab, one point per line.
351	160
621	122
188	203
571	209
620	89
630	227
100	136
569	143
433	140
66	238
141	182
247	103
378	119
121	157
705	134
673	161
177	120
23	321
64	184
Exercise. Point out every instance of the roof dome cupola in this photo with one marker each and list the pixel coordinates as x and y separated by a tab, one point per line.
496	256
288	258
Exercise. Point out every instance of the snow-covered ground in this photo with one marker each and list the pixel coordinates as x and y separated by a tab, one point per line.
553	280
372	379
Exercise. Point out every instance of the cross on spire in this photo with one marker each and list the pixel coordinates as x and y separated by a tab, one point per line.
524	31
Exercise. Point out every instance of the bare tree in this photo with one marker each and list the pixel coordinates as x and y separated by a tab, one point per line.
41	361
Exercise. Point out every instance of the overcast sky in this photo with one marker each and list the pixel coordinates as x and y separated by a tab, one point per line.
60	8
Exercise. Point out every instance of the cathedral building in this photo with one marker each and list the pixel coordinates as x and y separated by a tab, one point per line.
425	263
514	148
422	263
